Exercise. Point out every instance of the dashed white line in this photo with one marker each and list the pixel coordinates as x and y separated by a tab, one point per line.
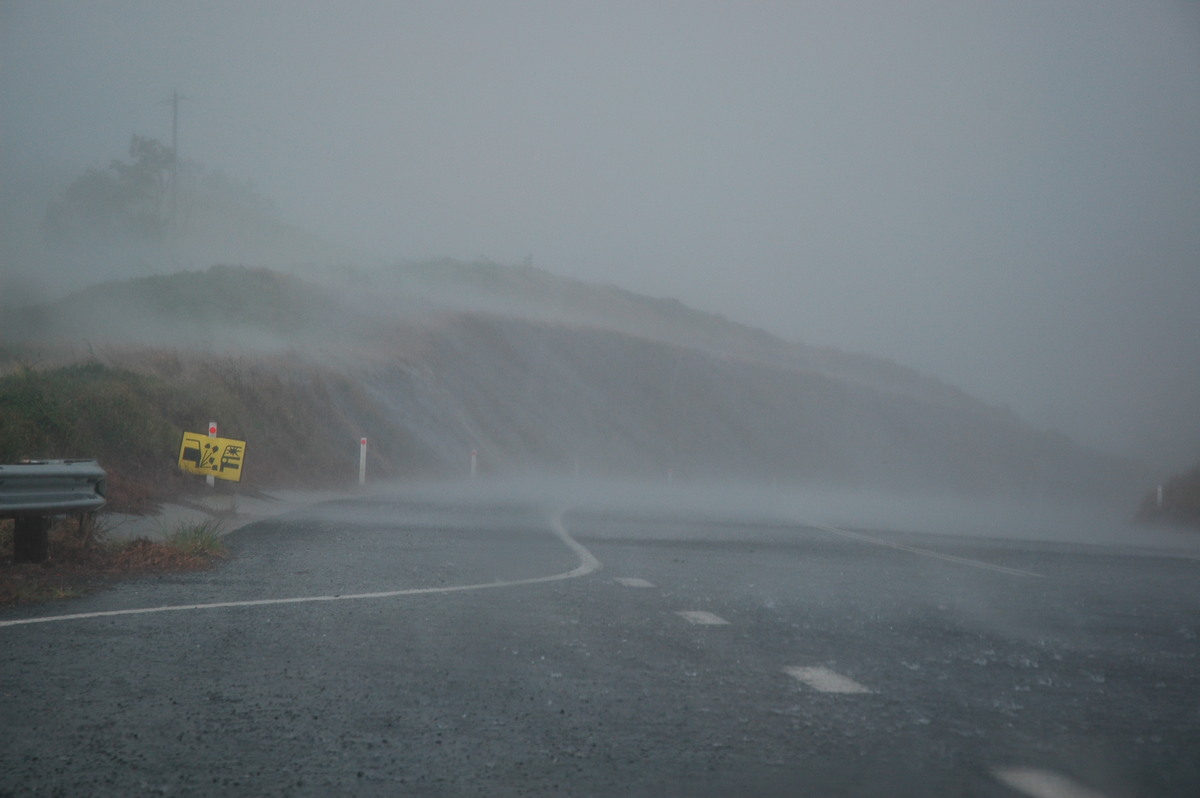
633	581
1043	783
587	564
701	618
824	680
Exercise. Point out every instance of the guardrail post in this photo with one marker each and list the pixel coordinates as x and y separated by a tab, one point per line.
34	491
31	539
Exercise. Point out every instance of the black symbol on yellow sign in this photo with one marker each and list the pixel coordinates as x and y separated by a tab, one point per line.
214	457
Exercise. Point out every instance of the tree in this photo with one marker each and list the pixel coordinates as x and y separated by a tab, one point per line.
123	202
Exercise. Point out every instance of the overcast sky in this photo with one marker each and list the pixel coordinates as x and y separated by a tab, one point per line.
1002	194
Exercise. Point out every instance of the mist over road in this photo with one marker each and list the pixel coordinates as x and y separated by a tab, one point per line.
463	642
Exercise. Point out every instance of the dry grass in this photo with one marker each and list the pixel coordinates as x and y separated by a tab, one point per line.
83	560
302	422
147	556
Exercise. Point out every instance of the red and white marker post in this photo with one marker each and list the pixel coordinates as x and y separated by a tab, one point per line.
212	433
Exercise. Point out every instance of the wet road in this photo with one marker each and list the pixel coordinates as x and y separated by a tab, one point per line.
429	646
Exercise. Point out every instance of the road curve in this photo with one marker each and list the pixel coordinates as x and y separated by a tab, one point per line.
468	645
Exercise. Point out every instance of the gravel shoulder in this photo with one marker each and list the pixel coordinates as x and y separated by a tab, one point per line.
122	546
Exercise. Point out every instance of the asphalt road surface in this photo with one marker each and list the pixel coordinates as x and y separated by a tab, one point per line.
450	645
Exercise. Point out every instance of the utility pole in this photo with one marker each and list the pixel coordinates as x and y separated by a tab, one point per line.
173	225
174	156
173	210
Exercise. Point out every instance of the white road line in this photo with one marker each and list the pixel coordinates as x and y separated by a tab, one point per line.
1043	783
701	618
825	680
633	581
926	552
587	564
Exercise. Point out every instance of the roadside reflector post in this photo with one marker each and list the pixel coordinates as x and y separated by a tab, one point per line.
212	433
474	462
1160	497
362	461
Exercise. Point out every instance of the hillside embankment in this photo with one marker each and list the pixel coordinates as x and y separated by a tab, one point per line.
1175	502
301	370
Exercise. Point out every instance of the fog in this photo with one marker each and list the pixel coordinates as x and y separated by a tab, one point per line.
1001	195
928	514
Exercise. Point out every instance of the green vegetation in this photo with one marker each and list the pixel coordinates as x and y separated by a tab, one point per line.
127	199
201	539
433	360
132	423
83	410
83	558
219	295
134	200
234	306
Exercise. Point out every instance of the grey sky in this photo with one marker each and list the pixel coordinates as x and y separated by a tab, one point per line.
1005	194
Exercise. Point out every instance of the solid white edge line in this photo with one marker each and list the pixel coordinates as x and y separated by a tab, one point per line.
1042	783
587	564
833	530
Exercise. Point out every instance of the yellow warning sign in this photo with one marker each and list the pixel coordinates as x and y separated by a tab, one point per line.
212	457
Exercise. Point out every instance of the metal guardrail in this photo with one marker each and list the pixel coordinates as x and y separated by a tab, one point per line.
51	487
33	492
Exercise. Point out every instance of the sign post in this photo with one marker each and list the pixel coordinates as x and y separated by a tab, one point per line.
362	461
212	433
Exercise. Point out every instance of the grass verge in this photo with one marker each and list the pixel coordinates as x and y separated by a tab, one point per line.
83	559
199	539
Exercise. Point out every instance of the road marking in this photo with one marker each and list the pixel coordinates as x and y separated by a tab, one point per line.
824	680
1043	783
833	530
633	581
587	564
701	618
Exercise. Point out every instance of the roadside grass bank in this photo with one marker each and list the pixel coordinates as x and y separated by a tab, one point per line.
301	423
84	558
